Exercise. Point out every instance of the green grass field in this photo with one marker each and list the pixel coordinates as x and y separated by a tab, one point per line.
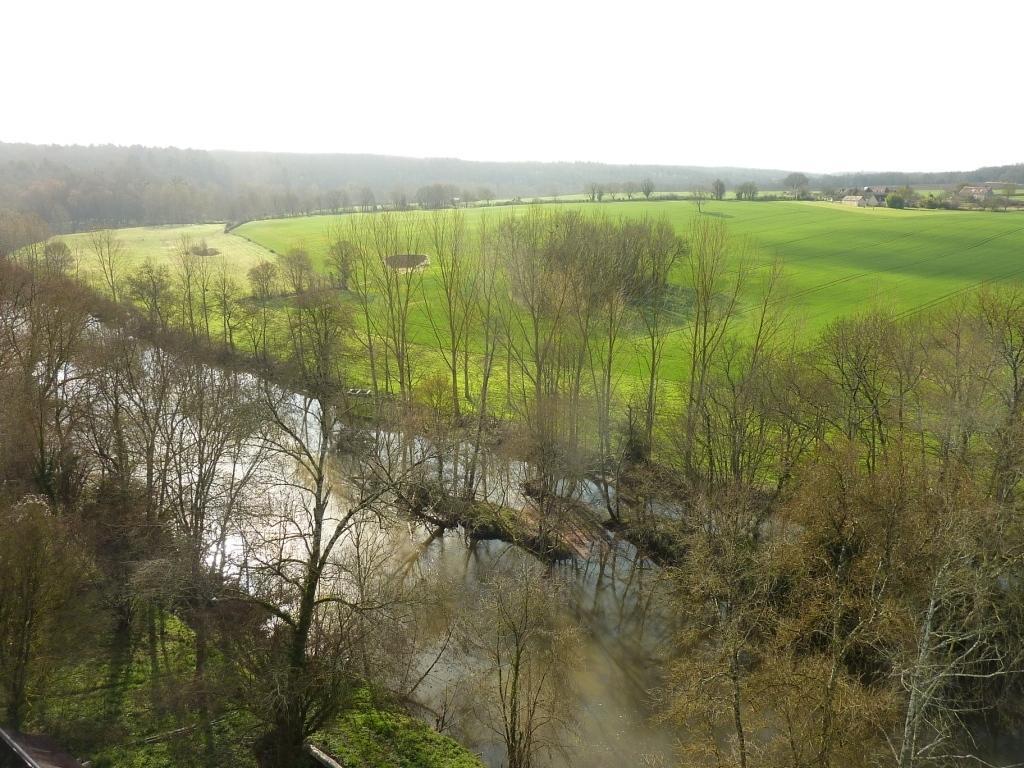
160	245
836	259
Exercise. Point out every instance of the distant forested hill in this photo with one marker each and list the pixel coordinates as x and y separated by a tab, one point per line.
1008	173
76	188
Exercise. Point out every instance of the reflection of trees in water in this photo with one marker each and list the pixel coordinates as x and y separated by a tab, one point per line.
612	598
619	587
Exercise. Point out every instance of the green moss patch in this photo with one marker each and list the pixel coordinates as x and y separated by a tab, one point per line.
369	736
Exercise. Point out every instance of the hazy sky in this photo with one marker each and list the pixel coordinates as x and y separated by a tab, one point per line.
816	86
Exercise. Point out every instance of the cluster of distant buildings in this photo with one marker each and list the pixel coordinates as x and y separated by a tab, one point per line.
981	191
869	197
873	197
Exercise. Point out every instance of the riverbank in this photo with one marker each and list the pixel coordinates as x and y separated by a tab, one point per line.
103	711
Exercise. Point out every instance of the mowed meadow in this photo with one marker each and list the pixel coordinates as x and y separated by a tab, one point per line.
836	260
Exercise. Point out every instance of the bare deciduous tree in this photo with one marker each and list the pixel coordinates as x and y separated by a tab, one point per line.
108	252
528	651
41	570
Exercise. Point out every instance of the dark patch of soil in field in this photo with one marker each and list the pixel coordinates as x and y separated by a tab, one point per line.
406	260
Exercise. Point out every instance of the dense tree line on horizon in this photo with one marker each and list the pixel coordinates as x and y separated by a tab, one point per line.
75	188
80	188
1013	174
845	560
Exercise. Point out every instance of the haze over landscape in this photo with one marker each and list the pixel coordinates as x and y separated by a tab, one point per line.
808	86
534	385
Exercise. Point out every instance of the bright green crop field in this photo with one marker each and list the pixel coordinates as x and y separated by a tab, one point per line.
836	260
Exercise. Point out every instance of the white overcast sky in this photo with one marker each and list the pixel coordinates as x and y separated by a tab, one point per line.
816	86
